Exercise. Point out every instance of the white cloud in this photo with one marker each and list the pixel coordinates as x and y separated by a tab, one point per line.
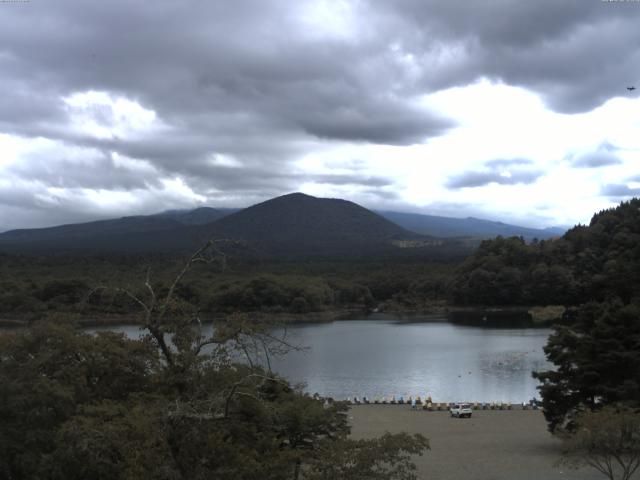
409	104
497	122
104	116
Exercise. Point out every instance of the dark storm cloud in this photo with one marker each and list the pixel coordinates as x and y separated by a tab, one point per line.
69	173
393	125
249	66
249	81
575	53
265	82
619	190
16	196
480	179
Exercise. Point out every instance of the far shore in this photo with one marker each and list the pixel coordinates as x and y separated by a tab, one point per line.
491	445
533	316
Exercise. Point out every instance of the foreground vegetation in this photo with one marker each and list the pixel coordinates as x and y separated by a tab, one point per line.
589	263
173	405
591	398
79	406
33	288
598	262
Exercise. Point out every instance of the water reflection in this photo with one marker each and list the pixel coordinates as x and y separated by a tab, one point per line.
390	357
448	362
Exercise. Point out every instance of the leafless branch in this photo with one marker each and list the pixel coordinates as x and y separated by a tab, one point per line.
239	383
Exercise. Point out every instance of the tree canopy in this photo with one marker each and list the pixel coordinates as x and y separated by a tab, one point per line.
608	441
176	404
594	262
597	363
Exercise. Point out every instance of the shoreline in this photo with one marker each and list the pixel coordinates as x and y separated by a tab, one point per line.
526	316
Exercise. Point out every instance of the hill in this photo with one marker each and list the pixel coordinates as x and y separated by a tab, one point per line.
82	231
294	225
299	224
466	227
198	216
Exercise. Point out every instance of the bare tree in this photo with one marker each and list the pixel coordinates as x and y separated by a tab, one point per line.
156	307
607	440
182	341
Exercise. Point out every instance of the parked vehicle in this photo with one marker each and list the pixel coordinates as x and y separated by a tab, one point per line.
461	410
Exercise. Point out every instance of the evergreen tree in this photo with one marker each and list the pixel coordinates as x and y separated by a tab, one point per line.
597	360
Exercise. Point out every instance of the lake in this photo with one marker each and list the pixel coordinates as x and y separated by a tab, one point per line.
386	355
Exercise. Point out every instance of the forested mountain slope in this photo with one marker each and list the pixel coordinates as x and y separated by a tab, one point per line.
593	262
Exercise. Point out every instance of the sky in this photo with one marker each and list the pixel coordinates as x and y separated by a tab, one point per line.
504	109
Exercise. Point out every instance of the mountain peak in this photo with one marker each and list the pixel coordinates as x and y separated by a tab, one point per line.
297	223
294	196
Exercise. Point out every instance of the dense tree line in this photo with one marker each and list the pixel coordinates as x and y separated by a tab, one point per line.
176	404
595	262
596	349
36	288
595	271
597	363
79	406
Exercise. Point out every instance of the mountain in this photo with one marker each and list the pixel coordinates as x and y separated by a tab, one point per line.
466	227
292	225
81	231
161	231
299	224
198	216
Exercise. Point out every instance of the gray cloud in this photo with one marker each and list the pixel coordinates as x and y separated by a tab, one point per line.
382	195
254	81
389	124
250	81
480	179
509	171
595	160
509	162
603	156
69	173
619	190
575	54
349	179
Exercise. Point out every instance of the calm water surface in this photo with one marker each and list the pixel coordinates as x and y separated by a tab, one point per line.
386	356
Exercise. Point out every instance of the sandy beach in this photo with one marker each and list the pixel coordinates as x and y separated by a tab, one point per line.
491	445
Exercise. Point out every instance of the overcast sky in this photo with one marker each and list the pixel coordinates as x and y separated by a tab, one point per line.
511	110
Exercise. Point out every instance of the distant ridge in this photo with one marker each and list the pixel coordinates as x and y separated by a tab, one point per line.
297	224
292	225
197	216
448	227
116	226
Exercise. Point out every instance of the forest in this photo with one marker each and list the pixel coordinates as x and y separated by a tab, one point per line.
597	262
176	404
592	262
169	405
